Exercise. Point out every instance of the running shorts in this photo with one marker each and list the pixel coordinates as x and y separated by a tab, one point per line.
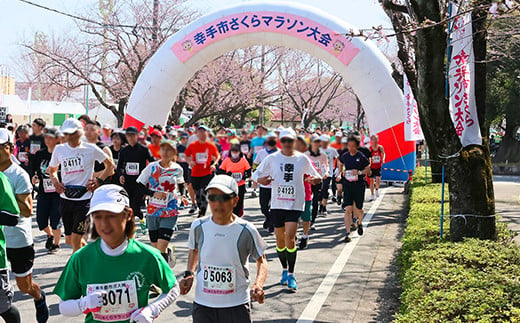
21	259
280	217
74	216
375	173
353	192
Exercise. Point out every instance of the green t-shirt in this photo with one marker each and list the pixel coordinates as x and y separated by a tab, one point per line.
7	203
126	278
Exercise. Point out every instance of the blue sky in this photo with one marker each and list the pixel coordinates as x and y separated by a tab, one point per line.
21	21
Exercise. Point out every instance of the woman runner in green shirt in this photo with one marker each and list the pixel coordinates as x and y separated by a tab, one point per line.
109	279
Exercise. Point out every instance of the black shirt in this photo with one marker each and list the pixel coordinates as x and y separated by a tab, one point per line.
115	154
38	165
358	161
36	143
133	159
99	166
181	157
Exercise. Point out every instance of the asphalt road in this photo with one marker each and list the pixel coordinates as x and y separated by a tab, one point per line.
507	201
337	282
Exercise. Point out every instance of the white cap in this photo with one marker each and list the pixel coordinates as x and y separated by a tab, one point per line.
325	138
339	134
107	126
315	138
71	125
288	133
5	136
344	140
110	197
280	129
271	135
224	183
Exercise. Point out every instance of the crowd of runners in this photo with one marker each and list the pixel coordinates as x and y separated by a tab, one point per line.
99	187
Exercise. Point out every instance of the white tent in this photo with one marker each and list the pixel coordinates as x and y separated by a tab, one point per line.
103	116
16	107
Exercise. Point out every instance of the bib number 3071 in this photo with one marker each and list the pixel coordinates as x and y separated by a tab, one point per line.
119	301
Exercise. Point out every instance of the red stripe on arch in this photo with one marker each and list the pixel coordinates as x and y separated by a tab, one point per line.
395	146
131	121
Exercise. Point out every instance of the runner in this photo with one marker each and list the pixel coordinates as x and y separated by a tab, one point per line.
132	160
332	154
377	160
155	144
339	186
106	135
77	183
203	157
265	190
92	133
321	163
237	167
37	139
19	240
9	215
337	140
159	180
48	206
181	160
220	247
356	166
302	146
257	144
23	145
109	280
286	169
118	142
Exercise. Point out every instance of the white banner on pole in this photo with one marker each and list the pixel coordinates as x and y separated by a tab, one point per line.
463	108
412	125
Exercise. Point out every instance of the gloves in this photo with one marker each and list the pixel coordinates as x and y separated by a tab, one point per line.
92	302
143	315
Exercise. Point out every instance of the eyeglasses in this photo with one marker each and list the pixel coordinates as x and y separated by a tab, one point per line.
220	197
286	140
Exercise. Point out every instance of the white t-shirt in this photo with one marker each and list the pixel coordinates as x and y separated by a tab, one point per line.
224	251
77	164
260	156
288	191
321	162
20	235
331	155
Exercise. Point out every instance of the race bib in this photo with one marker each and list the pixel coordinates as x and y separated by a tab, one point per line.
34	148
119	302
22	156
73	165
47	186
237	176
257	149
244	149
350	176
182	157
158	203
201	158
219	280
132	169
376	159
286	192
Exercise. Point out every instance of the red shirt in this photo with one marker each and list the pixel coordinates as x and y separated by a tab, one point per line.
155	151
236	169
376	157
201	154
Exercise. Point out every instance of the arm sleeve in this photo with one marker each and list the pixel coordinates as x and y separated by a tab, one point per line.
164	300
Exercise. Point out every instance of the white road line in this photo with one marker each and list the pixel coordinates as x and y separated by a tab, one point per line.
314	306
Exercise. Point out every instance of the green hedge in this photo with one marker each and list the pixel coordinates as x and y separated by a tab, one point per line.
470	281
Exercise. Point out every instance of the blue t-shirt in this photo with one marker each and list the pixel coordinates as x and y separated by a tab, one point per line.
257	142
358	161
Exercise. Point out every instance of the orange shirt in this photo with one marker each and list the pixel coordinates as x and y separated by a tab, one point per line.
155	151
336	145
236	169
201	154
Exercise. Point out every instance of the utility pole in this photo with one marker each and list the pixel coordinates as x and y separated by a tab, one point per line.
106	9
262	70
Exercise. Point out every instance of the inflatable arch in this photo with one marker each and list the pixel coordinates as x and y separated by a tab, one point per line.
291	25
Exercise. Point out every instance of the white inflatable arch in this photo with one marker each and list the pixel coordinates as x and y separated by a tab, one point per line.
291	25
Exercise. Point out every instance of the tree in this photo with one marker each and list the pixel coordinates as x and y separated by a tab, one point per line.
111	47
468	173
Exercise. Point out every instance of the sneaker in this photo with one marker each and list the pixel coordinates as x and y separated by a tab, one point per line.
372	197
303	243
339	200
172	259
142	225
181	207
253	194
377	193
320	210
324	211
334	199
285	277
42	311
347	239
291	284
193	209
49	242
55	248
360	229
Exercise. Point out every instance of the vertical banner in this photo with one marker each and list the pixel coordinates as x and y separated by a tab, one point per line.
461	76
412	125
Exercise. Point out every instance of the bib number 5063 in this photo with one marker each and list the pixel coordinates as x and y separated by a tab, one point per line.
218	276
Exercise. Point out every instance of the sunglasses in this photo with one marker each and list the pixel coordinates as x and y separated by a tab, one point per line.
220	197
286	140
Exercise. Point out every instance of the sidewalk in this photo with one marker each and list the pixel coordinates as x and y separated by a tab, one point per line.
507	201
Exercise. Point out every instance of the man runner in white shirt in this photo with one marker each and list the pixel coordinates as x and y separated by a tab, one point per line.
331	154
76	160
285	170
220	246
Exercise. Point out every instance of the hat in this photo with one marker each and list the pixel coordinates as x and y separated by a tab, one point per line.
51	132
170	143
110	197
5	136
155	132
131	130
339	134
271	135
261	126
185	135
107	126
288	133
280	129
325	138
224	183
315	138
203	127
344	140
71	125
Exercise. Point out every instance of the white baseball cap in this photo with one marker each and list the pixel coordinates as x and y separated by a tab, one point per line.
110	197
224	183
107	126
344	140
288	133
271	135
325	138
315	138
339	134
71	125
5	136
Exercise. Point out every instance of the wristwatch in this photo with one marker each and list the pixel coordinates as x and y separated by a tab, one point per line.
188	273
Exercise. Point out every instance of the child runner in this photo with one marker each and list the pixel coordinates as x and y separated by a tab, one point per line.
236	166
109	279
